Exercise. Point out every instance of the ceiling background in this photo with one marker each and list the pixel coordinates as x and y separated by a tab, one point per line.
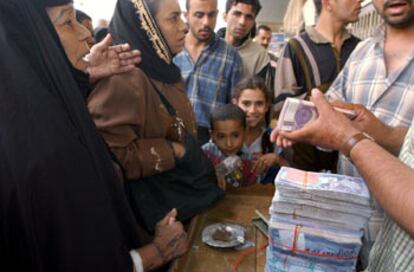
271	14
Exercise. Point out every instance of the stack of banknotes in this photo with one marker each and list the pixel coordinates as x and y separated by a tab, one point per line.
316	221
297	113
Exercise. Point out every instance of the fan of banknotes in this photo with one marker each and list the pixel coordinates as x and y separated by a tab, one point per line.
316	221
297	113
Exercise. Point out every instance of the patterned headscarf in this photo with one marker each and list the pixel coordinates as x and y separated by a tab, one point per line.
133	23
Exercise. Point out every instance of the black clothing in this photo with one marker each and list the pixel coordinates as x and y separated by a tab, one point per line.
52	3
62	207
100	33
127	26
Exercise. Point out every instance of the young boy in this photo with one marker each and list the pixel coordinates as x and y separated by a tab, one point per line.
228	128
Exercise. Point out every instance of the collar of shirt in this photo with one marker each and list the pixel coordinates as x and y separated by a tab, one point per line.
244	43
208	48
317	37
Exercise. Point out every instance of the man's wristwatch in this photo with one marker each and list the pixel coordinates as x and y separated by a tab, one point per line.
352	141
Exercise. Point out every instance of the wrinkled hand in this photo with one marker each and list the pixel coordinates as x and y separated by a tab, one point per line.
170	239
264	162
330	130
107	60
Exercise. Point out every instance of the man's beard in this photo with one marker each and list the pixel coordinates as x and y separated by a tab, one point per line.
403	22
203	38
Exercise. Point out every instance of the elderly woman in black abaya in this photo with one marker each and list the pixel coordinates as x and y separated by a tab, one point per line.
147	120
62	206
89	64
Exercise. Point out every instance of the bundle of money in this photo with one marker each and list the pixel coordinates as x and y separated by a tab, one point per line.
316	221
297	113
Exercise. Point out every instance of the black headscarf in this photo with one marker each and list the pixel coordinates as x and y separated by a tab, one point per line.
82	78
100	33
62	207
52	3
127	25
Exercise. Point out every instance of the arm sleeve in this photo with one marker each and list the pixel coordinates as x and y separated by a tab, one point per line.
119	111
137	260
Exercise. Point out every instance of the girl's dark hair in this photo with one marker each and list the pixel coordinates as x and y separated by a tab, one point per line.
253	82
227	112
267	145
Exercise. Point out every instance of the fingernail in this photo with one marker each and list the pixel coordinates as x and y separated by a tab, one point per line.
315	92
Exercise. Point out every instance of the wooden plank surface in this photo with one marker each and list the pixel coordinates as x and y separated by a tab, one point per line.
236	207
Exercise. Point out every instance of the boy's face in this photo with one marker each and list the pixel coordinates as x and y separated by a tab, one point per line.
228	135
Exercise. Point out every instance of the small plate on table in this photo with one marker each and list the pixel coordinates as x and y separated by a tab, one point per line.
224	235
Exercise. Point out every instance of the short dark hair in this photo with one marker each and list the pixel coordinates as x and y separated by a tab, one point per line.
82	16
318	6
187	4
264	27
254	82
255	3
227	112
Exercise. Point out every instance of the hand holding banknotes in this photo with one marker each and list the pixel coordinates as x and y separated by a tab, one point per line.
330	129
364	120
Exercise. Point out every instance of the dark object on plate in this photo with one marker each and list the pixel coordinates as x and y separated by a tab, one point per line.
223	235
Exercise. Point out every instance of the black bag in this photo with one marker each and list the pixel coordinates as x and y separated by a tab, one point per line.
190	187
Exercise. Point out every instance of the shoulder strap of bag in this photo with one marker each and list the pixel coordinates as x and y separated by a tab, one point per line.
179	123
171	110
301	56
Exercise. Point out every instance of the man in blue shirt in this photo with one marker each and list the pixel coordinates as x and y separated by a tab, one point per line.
209	66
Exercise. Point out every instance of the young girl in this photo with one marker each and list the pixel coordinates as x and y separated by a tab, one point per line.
252	97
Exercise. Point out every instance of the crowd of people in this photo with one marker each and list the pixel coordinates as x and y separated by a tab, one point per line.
111	138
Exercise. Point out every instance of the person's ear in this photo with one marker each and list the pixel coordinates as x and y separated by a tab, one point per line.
225	16
186	14
326	4
234	101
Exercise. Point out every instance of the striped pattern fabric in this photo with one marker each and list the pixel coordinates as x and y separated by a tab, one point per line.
211	79
364	80
394	248
322	61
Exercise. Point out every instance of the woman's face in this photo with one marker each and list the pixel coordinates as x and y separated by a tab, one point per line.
73	36
171	25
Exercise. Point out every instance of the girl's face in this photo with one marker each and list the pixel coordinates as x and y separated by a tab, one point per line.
253	103
171	25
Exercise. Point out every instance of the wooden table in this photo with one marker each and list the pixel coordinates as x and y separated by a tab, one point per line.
237	206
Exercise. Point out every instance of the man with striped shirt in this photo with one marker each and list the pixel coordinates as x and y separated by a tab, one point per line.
379	75
392	184
313	59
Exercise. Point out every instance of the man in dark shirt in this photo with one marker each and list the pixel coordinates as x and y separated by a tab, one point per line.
313	59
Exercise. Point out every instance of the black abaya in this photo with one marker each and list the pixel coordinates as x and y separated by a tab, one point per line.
61	205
